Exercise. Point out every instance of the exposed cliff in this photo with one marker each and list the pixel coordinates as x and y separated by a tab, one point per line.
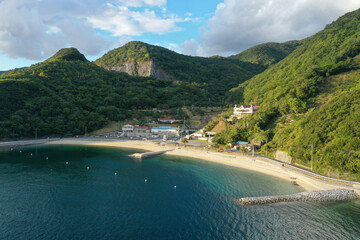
213	75
141	68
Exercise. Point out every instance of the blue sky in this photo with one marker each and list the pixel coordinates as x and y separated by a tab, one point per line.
33	30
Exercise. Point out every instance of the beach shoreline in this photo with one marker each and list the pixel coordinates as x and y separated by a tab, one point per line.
261	165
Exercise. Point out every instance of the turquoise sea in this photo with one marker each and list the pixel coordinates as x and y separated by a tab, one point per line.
78	192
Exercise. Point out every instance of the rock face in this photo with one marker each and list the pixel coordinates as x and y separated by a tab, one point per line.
283	156
142	69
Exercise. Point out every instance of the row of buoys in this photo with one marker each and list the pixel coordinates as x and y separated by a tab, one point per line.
147	180
67	163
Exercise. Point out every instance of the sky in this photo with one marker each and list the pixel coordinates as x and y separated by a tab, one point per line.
33	30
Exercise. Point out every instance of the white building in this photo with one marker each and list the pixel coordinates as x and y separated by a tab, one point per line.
165	130
242	111
128	128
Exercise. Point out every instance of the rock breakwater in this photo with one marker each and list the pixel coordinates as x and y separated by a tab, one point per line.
319	196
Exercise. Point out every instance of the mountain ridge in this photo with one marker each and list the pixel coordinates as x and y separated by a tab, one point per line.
141	59
311	98
267	54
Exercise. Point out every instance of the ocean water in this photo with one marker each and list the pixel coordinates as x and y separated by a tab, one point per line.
42	197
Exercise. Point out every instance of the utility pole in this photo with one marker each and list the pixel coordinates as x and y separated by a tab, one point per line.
253	150
312	155
35	133
266	149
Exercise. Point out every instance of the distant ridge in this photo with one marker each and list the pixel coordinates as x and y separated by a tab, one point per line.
217	75
267	54
2	72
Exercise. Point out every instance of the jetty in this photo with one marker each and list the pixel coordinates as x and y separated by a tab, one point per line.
148	154
22	143
314	196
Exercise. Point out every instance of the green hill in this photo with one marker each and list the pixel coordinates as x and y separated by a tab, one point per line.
66	93
2	72
68	54
311	97
267	54
216	75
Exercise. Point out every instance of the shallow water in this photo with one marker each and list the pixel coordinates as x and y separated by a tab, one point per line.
42	197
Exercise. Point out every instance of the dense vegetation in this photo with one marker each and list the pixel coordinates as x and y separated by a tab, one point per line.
216	75
1	72
267	54
310	97
66	93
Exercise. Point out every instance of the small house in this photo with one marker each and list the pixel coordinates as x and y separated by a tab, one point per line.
128	128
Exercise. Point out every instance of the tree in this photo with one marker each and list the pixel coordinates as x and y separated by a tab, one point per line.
184	141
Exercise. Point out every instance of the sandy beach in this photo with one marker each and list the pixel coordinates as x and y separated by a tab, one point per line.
307	183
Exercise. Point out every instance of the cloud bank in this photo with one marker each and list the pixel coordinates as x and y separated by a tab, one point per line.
120	20
36	29
240	24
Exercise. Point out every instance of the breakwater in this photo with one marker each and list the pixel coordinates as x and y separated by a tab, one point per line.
148	154
319	196
26	142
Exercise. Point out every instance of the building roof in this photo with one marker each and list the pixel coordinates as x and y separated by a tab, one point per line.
249	106
167	119
164	128
138	127
142	127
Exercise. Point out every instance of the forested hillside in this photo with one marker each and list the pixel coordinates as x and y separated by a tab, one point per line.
311	98
267	54
67	93
216	75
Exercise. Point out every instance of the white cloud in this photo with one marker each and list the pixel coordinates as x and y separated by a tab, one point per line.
122	41
36	29
140	3
120	20
240	24
192	47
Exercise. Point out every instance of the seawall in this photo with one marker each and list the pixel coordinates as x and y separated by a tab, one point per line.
318	196
27	142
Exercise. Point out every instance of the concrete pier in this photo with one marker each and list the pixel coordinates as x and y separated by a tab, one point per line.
148	154
318	196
